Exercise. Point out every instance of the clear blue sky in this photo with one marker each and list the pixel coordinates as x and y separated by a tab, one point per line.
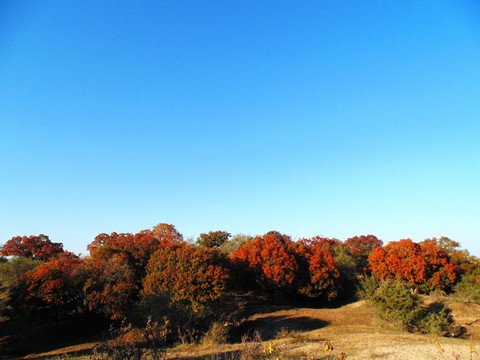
334	118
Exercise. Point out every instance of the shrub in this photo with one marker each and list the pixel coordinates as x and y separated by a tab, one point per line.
468	289
128	342
217	334
368	286
395	301
439	323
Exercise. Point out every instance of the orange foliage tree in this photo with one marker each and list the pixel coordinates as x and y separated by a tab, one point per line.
425	266
269	260
111	286
462	260
136	248
52	290
196	277
318	268
36	247
117	265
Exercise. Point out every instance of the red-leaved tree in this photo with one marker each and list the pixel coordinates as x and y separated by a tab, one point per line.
426	267
35	247
269	260
318	270
52	290
111	287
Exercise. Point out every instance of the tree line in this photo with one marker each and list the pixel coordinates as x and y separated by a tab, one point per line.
42	281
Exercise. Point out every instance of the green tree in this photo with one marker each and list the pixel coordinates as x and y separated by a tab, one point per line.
213	239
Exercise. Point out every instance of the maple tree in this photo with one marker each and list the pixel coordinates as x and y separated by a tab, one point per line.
425	266
197	276
36	247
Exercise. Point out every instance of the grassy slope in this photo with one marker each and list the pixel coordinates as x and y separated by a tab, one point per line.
352	329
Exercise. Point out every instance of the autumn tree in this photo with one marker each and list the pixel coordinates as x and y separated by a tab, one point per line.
117	265
112	286
136	248
193	276
268	260
425	266
213	239
462	260
167	233
36	247
11	271
360	248
51	291
318	270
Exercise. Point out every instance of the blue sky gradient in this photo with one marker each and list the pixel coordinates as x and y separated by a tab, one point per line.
334	118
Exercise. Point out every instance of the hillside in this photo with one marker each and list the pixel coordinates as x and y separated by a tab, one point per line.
300	333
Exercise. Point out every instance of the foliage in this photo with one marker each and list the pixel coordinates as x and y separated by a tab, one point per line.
137	248
10	271
367	287
360	248
269	260
196	276
52	290
395	302
128	342
111	286
117	267
424	266
463	262
213	239
439	322
216	335
235	243
167	233
468	288
35	247
319	270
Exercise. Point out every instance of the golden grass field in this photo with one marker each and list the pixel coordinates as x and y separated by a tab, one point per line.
301	333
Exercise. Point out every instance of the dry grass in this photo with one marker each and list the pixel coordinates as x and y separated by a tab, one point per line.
353	329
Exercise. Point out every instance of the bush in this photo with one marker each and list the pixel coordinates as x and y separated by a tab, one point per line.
128	342
217	334
368	286
395	301
439	323
468	289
